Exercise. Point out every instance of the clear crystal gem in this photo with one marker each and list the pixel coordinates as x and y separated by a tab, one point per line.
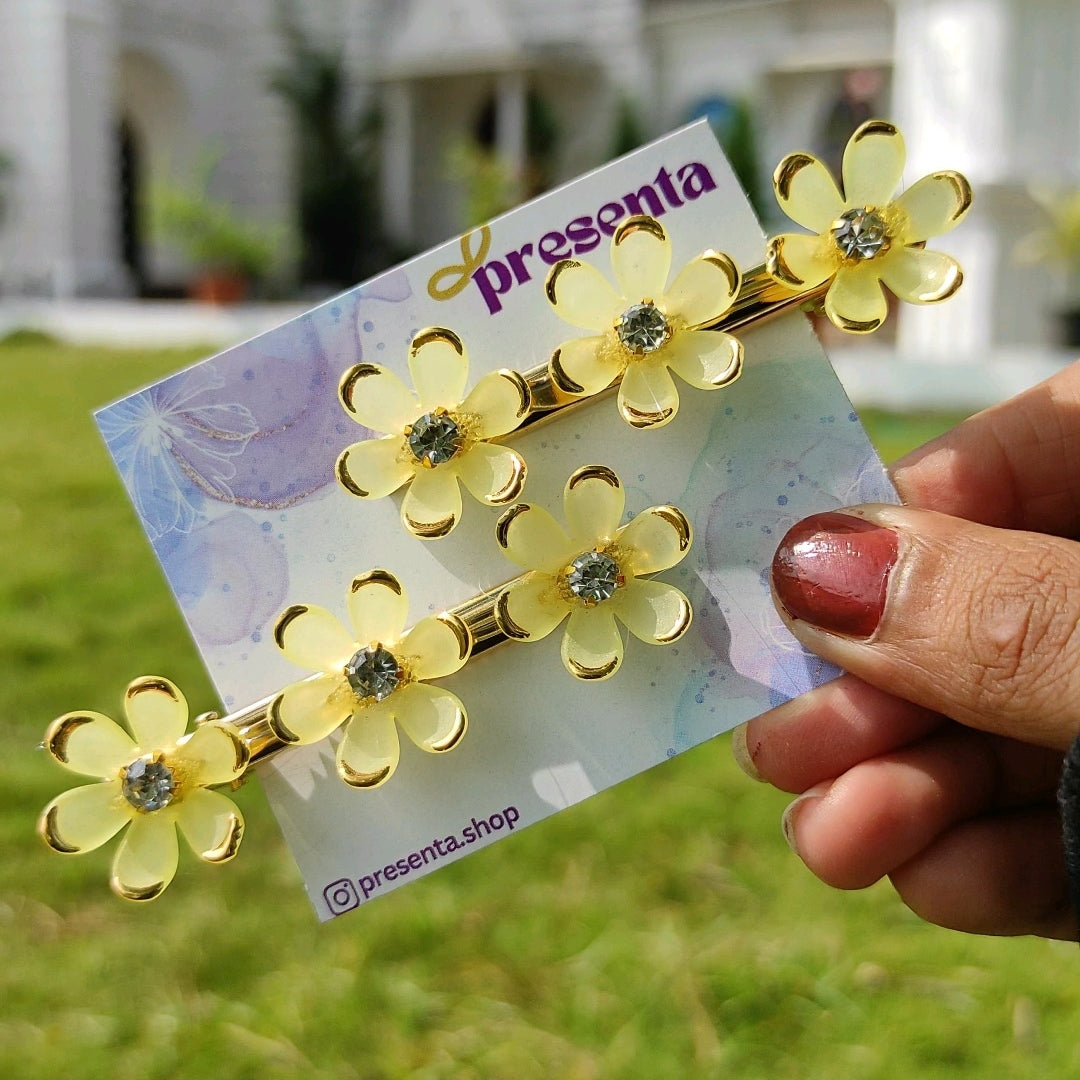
642	328
434	438
860	233
373	673
148	785
593	577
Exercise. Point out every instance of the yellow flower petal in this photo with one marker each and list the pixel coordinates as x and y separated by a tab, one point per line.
707	359
921	277
801	261
378	607
499	402
439	364
493	474
934	205
873	165
146	859
432	504
703	290
592	647
647	394
375	397
435	647
593	502
530	608
582	296
211	823
855	302
308	711
312	637
533	539
214	754
90	743
586	365
655	540
653	611
375	467
432	717
84	818
807	192
156	712
368	754
641	259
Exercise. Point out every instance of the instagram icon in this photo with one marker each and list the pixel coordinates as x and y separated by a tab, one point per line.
341	896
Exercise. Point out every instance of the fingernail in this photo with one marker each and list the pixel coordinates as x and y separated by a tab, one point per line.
832	571
740	751
789	822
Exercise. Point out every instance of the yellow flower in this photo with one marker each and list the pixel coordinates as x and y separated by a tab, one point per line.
371	679
593	573
866	238
435	437
644	327
154	782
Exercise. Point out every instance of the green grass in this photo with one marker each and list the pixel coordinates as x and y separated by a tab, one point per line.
660	930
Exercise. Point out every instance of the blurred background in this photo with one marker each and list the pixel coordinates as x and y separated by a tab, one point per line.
178	174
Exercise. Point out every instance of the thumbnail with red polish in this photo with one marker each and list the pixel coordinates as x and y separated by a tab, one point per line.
832	570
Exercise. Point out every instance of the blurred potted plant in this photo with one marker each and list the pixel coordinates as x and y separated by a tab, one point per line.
1058	244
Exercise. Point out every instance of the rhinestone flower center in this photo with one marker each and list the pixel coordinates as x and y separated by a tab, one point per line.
593	577
148	785
434	438
642	328
373	673
860	233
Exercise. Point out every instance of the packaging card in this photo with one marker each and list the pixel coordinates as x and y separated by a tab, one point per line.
230	465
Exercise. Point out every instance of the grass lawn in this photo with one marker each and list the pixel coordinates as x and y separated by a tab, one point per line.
661	930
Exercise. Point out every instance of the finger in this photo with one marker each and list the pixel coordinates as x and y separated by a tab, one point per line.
997	875
1015	466
823	733
969	621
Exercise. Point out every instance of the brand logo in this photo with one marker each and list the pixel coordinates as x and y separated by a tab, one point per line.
494	278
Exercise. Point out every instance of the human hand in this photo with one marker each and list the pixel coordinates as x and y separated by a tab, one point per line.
935	760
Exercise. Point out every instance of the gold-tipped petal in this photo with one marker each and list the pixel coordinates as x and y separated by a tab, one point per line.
439	365
308	711
368	754
653	611
587	365
312	637
592	647
530	608
655	540
807	192
707	359
641	258
533	539
593	503
213	754
211	823
855	302
582	296
89	743
934	205
493	474
375	397
703	290
647	394
435	647
921	277
156	712
374	468
84	818
499	402
799	261
378	606
432	505
146	859
433	718
873	165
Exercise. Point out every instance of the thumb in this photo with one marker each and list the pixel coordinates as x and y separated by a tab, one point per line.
977	623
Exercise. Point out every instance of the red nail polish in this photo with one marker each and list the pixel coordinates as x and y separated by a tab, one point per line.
832	570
